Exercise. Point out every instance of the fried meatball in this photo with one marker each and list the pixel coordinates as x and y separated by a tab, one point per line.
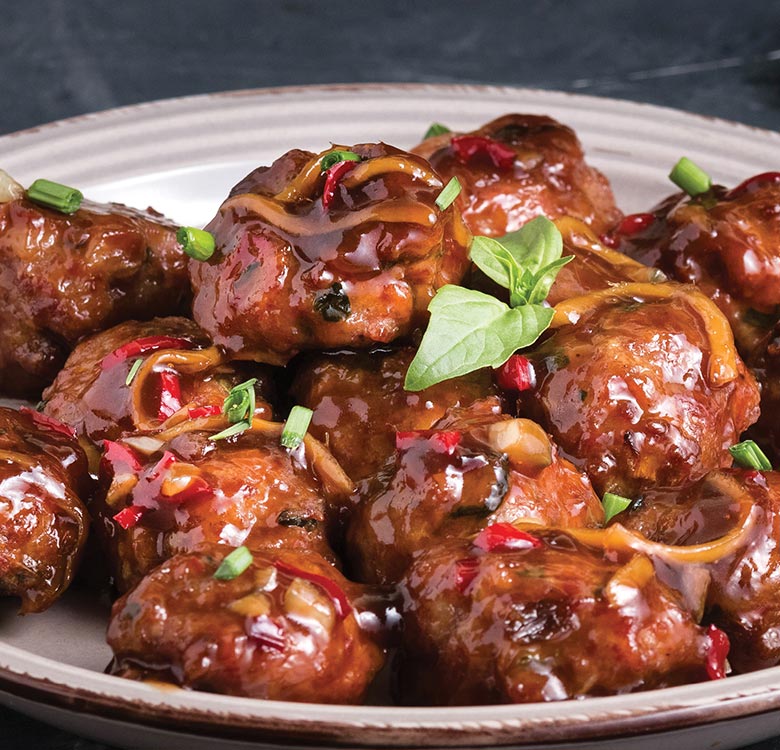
359	403
313	260
63	277
43	523
641	385
518	167
192	490
476	469
95	394
727	242
740	510
541	619
765	364
286	628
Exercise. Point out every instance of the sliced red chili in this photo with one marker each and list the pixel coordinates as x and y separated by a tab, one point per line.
334	591
204	411
48	423
465	572
143	346
634	224
516	374
120	457
170	395
466	147
503	537
197	489
765	178
717	653
442	441
333	177
266	631
130	516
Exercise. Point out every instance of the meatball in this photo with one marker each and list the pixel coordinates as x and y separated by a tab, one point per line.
286	628
472	470
505	619
518	167
313	260
726	242
192	490
63	277
765	364
43	523
359	403
735	516
103	392
641	385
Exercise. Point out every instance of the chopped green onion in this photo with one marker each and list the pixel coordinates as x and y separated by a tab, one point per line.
690	177
748	455
133	371
334	157
614	504
239	406
52	194
234	429
296	425
234	564
450	192
436	128
197	243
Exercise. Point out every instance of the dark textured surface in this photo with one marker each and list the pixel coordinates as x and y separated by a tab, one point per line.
715	57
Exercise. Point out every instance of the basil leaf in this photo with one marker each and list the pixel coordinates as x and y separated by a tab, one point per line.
545	278
469	330
495	261
535	245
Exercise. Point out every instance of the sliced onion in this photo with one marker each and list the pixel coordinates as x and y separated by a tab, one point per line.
10	189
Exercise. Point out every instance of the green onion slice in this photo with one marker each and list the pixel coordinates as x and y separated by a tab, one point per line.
234	564
296	425
234	429
436	128
690	177
334	157
614	504
748	455
197	243
133	371
450	192
65	199
239	406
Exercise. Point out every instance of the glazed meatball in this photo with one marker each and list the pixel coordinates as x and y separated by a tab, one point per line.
43	523
765	364
63	277
286	628
192	490
641	385
472	470
520	618
103	392
359	403
727	242
735	513
518	167
307	259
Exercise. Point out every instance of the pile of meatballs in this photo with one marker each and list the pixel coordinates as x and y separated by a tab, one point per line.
454	539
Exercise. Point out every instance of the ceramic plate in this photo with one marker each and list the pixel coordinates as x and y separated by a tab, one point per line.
182	156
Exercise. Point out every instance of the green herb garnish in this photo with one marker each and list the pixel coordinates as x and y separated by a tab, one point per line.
296	426
133	371
197	243
447	196
234	564
614	504
469	330
64	199
436	128
334	157
690	177
239	406
748	455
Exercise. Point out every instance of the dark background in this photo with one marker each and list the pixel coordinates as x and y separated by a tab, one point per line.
62	58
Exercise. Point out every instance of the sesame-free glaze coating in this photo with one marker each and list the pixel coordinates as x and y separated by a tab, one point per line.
43	521
545	175
295	271
284	629
63	277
